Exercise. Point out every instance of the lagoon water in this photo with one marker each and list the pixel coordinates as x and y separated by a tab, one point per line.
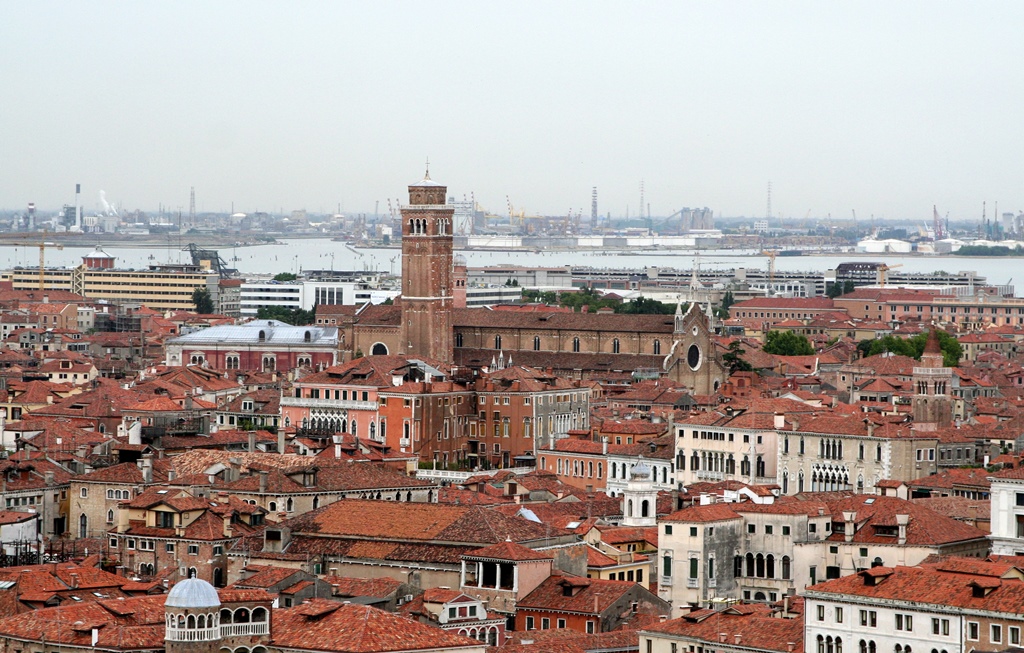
295	255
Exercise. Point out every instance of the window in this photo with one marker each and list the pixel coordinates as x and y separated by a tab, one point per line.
668	527
193	549
693	531
821	613
169	547
529	623
590	627
113	543
904	622
560	623
769	529
996	634
869	618
972	630
1014	634
839	615
545	623
751	528
785	530
85	492
694	567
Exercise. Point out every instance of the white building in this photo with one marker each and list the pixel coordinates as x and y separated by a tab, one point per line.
1007	528
305	294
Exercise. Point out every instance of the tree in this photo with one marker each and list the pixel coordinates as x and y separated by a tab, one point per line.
834	290
204	303
293	316
914	347
645	306
285	276
787	343
733	358
848	286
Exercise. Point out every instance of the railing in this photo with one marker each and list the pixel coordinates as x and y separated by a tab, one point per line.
707	475
665	581
253	628
336	404
449	475
764	480
691	582
193	634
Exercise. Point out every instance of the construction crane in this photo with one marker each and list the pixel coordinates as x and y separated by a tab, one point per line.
512	215
42	245
771	254
937	224
883	273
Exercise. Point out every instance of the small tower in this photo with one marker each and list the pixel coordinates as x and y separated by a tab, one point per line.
640	499
192	613
932	404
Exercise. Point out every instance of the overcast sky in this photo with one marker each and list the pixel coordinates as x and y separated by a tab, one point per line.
886	108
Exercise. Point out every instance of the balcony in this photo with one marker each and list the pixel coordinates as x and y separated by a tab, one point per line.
707	475
692	583
665	581
254	628
193	634
330	404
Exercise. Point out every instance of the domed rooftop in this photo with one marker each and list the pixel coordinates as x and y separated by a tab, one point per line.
192	593
640	470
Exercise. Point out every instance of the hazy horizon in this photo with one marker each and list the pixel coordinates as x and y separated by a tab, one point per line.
881	108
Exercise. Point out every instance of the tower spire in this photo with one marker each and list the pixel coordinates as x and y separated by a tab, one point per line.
426	175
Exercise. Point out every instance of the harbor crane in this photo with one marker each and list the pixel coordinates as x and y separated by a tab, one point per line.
42	245
771	254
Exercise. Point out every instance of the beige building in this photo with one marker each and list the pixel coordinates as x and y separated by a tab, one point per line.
842	452
159	288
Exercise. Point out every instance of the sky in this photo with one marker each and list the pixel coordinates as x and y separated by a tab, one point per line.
881	108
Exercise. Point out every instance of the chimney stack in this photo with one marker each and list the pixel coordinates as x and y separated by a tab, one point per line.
252	441
739	638
850	517
780	421
902	521
147	468
263	482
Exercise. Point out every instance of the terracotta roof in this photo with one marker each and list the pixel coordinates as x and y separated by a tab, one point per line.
594	596
753	627
507	550
123	624
323	625
372	587
714	512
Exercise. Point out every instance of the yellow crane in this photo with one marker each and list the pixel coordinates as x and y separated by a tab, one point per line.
42	245
883	273
771	254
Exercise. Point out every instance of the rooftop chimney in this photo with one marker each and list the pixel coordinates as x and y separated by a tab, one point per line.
147	468
850	517
739	638
252	441
263	482
780	421
902	521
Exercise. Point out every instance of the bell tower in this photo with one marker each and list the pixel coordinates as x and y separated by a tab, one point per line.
427	280
932	403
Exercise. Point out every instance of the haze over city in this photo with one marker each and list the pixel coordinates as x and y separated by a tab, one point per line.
885	109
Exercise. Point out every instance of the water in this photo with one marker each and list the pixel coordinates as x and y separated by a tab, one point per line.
323	254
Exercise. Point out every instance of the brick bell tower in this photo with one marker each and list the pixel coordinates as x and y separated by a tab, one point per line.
427	280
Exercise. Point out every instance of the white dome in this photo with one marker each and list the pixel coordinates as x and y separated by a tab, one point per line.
641	470
192	593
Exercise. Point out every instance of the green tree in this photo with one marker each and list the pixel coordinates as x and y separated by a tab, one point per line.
285	276
913	347
733	358
293	316
587	297
848	286
204	303
645	306
787	343
834	290
728	300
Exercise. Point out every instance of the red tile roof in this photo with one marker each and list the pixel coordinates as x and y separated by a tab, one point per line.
323	625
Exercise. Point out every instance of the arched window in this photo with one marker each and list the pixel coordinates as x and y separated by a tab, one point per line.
241	616
629	508
290	505
259	614
458	340
576	345
750	565
536	343
657	347
737	566
615	345
110	516
316	502
272	506
379	349
785	568
645	508
83	526
497	342
760	565
770	566
263	336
